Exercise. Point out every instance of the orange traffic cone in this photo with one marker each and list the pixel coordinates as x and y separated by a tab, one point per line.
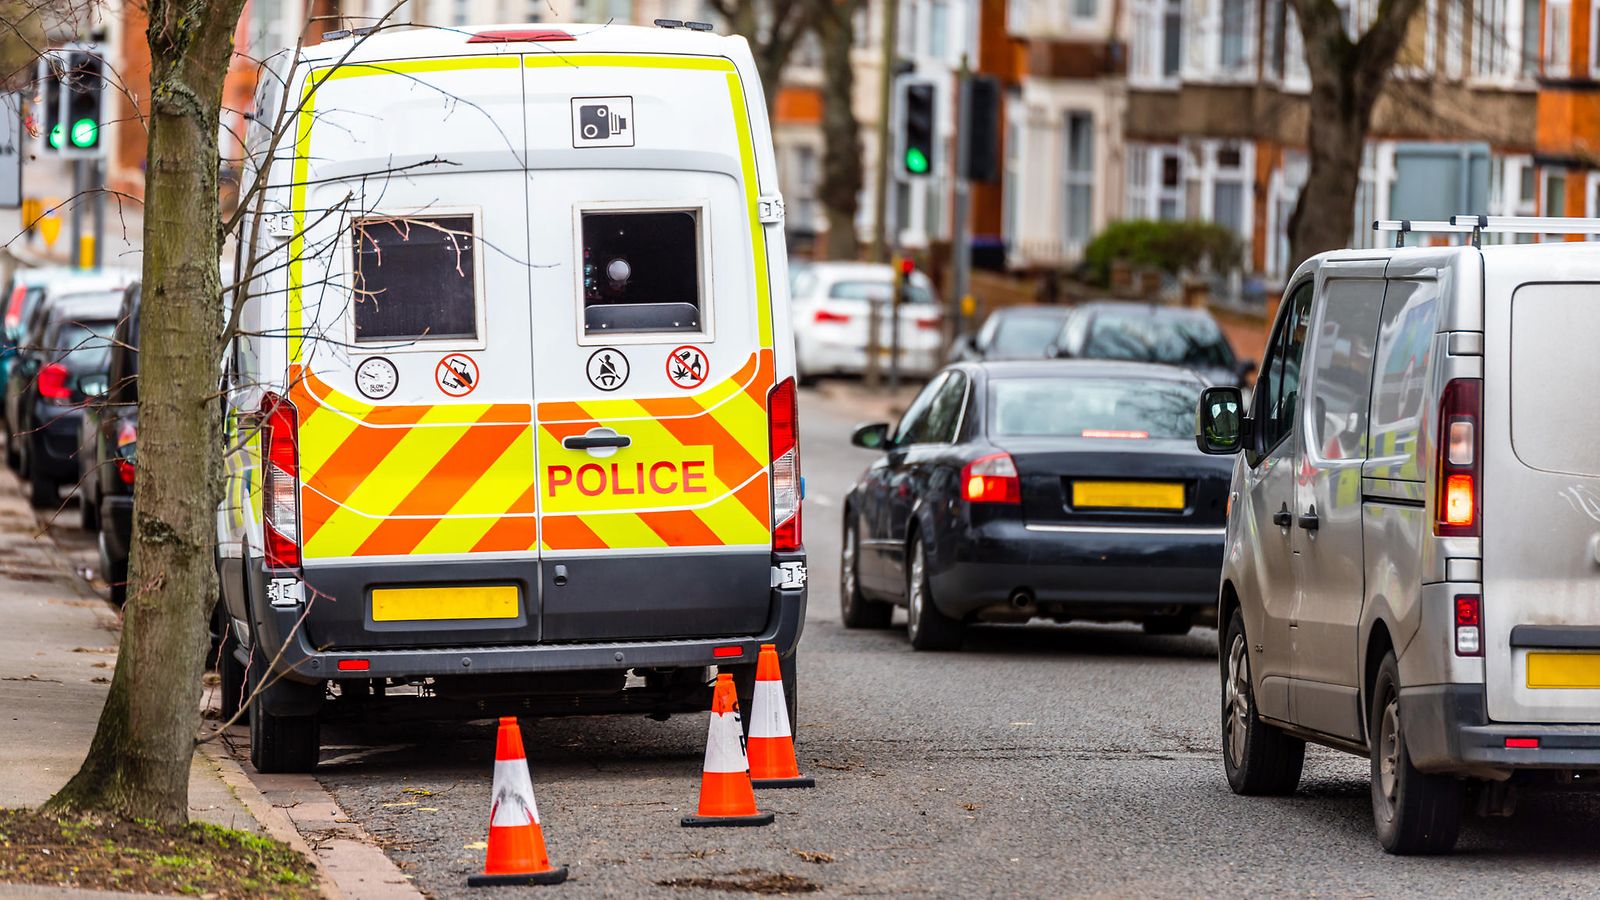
772	763
725	794
516	841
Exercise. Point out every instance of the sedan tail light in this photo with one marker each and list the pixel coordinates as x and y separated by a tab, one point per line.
127	441
53	383
991	479
280	482
932	324
827	317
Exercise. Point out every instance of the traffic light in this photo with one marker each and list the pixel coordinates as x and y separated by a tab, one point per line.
72	83
916	127
981	94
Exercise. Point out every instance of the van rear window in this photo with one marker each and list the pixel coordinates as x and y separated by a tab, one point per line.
641	271
415	278
1555	422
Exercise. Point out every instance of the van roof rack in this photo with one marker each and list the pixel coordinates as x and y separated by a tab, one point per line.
1476	225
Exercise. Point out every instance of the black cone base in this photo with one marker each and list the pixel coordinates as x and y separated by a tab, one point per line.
804	781
549	876
760	818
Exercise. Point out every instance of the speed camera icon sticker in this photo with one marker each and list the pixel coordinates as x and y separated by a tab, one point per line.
602	122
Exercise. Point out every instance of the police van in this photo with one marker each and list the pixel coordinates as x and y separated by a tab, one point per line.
511	413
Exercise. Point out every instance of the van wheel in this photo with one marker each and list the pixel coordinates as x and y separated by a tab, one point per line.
1415	813
281	743
926	626
1260	760
744	683
855	610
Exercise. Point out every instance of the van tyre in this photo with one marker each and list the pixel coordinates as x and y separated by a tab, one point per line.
855	610
280	742
1259	759
926	626
230	675
1415	813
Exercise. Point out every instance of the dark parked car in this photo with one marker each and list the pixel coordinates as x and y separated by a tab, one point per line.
1148	332
68	340
28	287
1064	489
109	437
1013	332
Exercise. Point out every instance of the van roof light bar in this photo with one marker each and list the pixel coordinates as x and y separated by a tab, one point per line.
669	23
697	26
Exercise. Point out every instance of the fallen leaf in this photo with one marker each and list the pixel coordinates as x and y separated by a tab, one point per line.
99	679
812	856
476	845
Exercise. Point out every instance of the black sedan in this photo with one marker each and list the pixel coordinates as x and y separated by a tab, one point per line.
1069	490
109	437
67	343
1013	332
1150	332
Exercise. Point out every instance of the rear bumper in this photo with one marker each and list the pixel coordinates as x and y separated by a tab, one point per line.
1080	569
54	443
1447	729
304	659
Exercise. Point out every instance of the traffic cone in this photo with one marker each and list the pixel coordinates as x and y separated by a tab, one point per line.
516	841
725	794
772	763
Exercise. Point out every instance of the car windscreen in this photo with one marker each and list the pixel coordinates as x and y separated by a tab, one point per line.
877	290
1092	407
1022	336
1174	340
83	346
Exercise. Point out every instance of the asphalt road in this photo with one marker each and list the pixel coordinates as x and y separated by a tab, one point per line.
1039	761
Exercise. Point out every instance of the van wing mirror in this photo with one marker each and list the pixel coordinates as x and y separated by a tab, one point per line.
1219	424
874	436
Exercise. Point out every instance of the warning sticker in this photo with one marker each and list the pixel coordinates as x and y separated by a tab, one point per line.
687	367
607	369
456	374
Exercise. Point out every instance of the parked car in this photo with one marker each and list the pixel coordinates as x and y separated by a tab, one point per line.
28	286
1010	490
107	441
1013	332
68	340
832	306
1149	332
1411	568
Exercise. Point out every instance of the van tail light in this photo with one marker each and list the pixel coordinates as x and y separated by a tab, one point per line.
1469	625
1457	508
826	317
127	441
783	435
280	482
53	383
991	479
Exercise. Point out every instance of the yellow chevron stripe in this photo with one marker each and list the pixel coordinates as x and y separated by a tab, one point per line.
623	530
746	420
733	522
321	434
758	234
493	494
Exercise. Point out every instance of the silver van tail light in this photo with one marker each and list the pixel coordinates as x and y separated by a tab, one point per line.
1469	625
1457	508
280	482
783	435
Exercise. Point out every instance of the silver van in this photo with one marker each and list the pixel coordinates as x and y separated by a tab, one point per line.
1412	568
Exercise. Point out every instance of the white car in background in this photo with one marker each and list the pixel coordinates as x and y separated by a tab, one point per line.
832	304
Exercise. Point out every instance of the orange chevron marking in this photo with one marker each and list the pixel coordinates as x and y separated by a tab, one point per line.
568	533
512	534
681	528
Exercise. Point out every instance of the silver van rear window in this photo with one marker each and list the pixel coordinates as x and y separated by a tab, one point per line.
415	278
641	271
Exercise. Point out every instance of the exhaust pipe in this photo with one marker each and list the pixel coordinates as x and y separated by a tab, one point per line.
1021	598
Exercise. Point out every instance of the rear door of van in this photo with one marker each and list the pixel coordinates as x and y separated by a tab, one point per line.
1541	485
652	323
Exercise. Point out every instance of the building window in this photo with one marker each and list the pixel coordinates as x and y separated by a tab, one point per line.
1557	38
1079	179
805	175
1454	34
1284	194
1138	182
1529	30
1233	55
459	12
1227	192
1553	199
1505	39
1157	41
1012	175
1155	182
1085	10
938	28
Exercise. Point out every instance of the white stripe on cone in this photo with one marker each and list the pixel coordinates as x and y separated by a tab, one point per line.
513	804
770	718
725	744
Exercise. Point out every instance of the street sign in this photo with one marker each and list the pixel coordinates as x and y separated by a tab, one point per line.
10	150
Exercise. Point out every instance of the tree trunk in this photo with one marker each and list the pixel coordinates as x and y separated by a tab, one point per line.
138	764
773	28
840	190
1347	78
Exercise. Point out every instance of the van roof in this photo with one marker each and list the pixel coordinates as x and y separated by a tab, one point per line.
402	42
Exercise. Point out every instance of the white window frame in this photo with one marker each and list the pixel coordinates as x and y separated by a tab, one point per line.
1075	178
1455	23
701	207
1148	44
1591	203
421	344
1546	175
1430	60
1205	175
1550	45
1284	186
1202	45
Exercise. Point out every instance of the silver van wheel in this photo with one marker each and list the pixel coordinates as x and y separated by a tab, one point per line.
1389	756
1237	701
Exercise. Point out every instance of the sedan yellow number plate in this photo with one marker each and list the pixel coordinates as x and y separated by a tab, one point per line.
1564	670
1127	495
435	604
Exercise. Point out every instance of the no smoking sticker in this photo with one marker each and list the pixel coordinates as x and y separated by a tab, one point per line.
687	367
456	374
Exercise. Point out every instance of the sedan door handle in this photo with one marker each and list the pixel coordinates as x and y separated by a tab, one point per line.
595	441
1309	520
1281	518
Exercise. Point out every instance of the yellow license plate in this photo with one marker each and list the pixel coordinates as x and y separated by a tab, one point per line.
1127	495
441	603
1564	670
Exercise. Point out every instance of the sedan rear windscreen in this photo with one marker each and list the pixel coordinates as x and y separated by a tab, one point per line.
1092	407
1173	340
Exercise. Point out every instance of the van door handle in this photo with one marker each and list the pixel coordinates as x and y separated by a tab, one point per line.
1309	520
595	441
1281	518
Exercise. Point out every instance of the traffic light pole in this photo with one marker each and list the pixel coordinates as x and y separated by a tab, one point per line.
962	226
99	212
76	251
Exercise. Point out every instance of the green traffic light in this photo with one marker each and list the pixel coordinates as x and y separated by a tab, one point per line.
56	135
916	161
85	132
